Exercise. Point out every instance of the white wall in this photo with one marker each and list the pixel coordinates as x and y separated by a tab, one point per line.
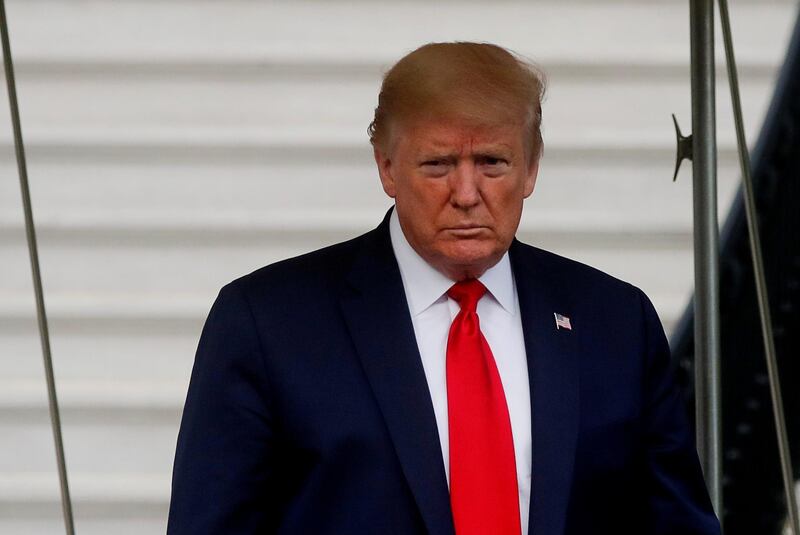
175	145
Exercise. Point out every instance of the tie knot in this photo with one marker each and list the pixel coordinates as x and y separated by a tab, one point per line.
467	293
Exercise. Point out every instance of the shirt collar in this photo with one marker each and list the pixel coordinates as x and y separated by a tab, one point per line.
425	285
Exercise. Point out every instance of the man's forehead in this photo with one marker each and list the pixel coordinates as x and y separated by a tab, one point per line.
444	137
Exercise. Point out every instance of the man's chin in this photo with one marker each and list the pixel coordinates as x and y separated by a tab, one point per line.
460	265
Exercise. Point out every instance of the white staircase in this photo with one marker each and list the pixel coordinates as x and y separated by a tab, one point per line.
176	145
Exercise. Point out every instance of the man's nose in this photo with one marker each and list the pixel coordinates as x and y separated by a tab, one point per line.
464	186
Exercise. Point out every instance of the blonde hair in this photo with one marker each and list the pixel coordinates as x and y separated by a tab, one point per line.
479	83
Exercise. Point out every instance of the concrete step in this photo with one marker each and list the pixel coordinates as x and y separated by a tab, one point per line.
577	188
183	260
644	30
165	291
123	503
109	361
108	427
248	108
128	352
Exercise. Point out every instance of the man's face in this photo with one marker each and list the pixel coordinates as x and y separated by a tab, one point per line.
458	190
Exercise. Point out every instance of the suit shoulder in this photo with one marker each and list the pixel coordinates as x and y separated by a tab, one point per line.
569	273
307	272
587	288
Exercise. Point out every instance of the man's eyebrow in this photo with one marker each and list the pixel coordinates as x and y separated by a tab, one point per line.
434	153
494	150
493	147
444	151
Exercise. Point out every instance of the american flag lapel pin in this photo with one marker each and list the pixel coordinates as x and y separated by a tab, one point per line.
562	322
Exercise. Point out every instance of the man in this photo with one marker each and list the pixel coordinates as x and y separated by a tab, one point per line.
435	375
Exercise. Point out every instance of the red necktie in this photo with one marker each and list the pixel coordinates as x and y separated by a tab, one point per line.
483	473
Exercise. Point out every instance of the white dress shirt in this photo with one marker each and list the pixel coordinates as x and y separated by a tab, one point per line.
432	312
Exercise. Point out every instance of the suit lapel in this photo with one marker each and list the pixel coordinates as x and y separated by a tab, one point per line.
553	372
378	319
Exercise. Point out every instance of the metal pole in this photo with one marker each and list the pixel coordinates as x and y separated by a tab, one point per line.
706	249
41	315
758	271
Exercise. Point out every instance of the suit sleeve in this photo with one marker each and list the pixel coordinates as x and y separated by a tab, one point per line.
224	456
678	501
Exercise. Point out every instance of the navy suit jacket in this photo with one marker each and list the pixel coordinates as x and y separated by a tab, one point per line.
308	410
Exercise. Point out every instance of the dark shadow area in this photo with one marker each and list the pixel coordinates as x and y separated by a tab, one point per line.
752	486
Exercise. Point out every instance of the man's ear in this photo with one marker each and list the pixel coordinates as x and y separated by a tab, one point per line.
384	164
530	177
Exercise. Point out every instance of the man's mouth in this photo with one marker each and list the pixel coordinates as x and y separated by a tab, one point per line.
466	231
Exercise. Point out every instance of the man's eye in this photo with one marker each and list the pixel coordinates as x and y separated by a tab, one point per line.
493	166
435	166
494	162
